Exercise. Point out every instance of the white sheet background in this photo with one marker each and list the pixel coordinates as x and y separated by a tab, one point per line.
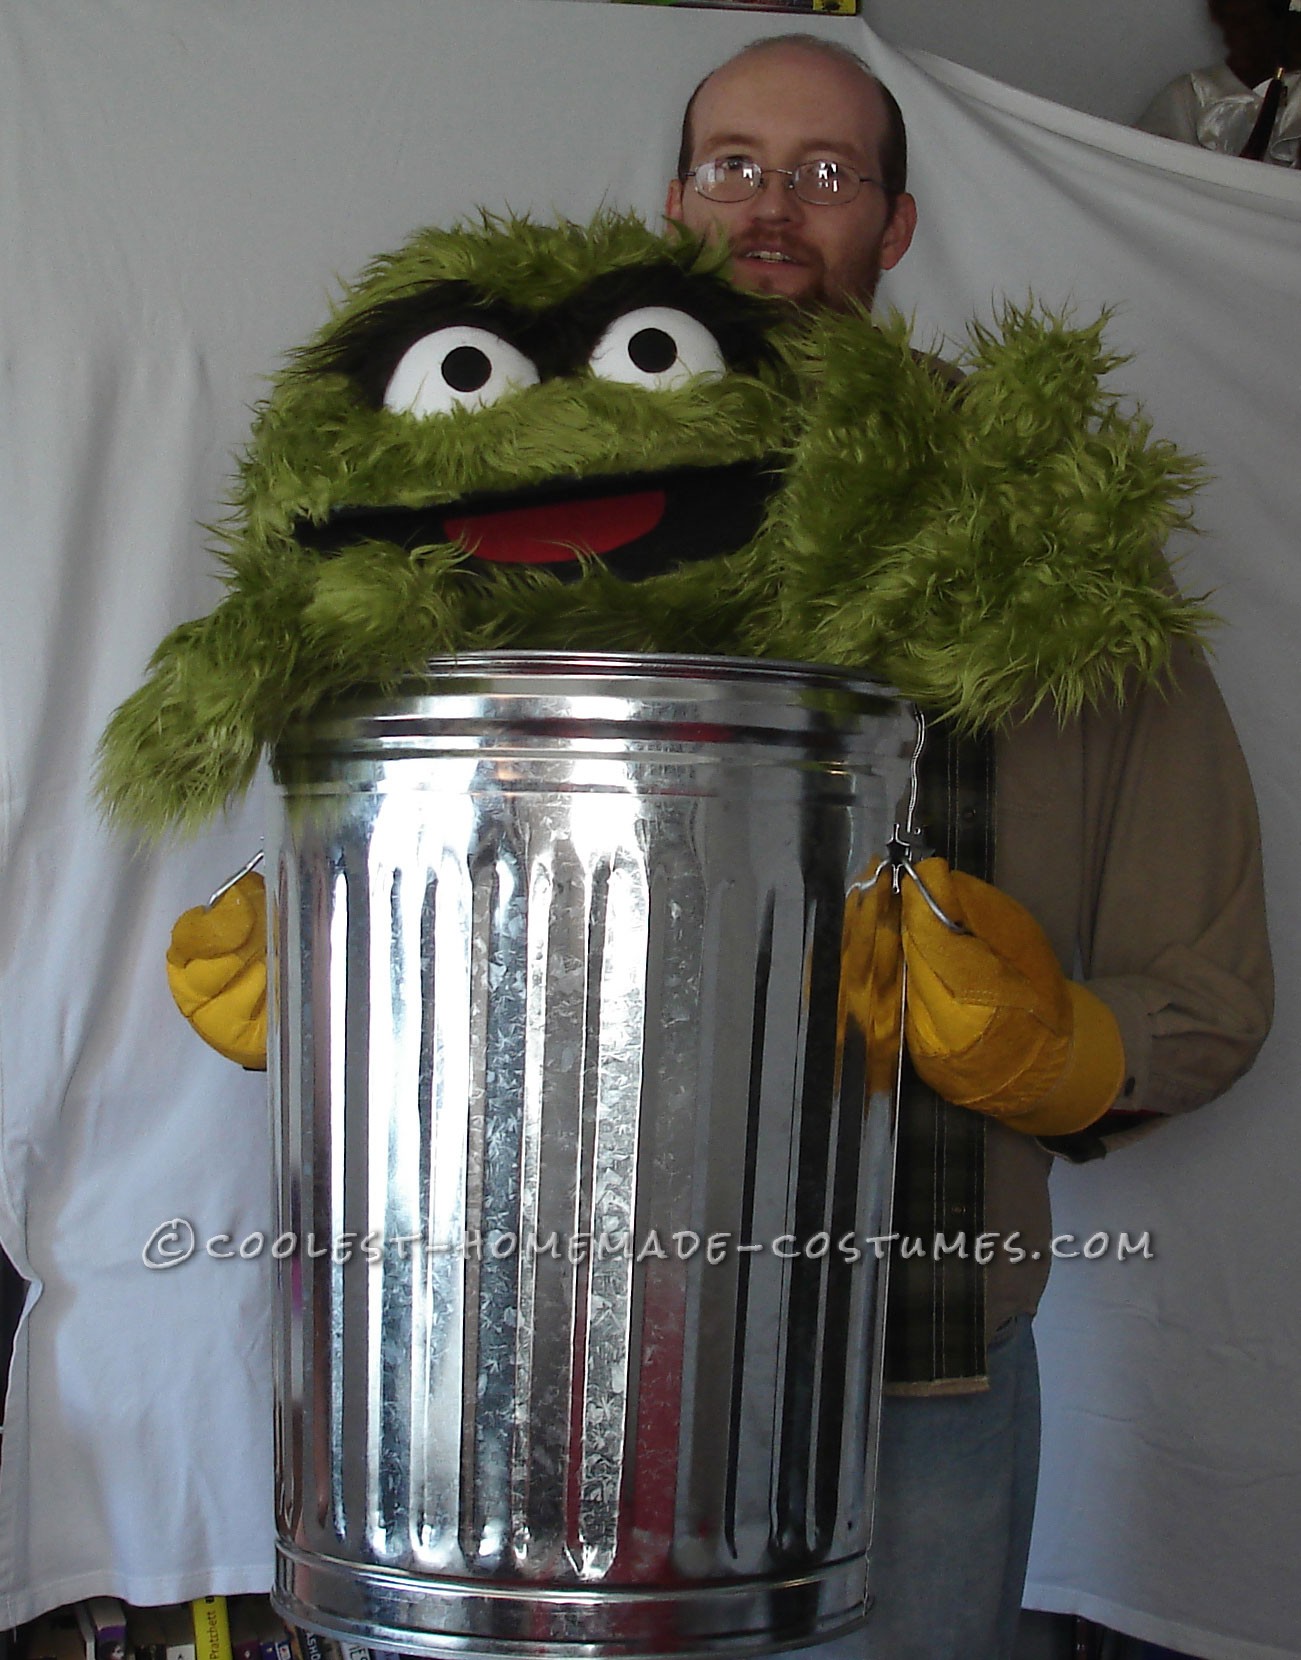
1105	56
180	183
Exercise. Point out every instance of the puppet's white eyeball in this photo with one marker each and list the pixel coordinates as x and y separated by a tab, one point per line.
457	367
657	347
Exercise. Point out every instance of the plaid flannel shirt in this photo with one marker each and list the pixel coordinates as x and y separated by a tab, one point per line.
935	1309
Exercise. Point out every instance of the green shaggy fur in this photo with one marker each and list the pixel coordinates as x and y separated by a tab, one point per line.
982	546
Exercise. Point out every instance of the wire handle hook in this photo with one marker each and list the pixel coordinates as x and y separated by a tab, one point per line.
239	876
907	847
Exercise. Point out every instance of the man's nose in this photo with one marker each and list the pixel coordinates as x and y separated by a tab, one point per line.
776	199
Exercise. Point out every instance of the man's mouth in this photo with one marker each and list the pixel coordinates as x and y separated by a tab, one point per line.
769	250
638	525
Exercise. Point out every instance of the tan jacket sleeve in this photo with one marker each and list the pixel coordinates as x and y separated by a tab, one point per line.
1132	835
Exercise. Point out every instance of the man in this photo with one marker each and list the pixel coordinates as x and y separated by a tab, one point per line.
1220	106
783	104
795	155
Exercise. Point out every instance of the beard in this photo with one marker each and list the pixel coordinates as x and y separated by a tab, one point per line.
787	267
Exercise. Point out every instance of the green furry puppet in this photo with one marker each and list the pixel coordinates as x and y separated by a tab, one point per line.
565	437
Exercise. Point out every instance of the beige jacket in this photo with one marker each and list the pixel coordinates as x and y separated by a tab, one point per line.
1132	836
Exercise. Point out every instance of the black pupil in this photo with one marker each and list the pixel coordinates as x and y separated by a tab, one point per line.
466	368
653	351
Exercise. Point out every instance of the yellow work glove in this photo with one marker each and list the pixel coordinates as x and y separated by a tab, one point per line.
871	968
217	969
991	1021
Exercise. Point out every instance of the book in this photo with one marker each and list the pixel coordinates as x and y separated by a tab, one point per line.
160	1632
54	1636
146	1634
211	1629
103	1628
252	1622
311	1645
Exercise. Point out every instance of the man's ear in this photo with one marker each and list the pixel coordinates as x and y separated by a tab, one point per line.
673	201
899	232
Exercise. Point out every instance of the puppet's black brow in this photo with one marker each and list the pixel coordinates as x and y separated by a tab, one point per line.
368	346
557	339
740	322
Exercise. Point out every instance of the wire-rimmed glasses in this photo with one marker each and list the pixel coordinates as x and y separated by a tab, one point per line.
819	183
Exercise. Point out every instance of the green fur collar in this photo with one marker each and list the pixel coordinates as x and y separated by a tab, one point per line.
565	437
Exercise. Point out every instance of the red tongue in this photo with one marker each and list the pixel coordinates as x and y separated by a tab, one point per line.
558	533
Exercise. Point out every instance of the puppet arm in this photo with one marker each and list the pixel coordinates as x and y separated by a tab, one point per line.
983	547
188	741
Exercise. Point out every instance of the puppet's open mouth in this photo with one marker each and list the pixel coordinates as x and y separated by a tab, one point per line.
638	524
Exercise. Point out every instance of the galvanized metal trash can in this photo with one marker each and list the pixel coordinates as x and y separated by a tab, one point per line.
577	1353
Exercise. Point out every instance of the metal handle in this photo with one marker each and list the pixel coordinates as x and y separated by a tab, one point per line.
906	844
239	875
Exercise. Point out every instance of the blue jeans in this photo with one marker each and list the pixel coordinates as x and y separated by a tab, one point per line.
954	1507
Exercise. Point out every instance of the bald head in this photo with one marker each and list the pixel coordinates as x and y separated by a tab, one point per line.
893	155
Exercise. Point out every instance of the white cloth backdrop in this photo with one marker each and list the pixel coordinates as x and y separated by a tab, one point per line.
1109	57
182	181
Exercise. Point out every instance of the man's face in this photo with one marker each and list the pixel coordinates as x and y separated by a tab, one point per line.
781	107
1252	29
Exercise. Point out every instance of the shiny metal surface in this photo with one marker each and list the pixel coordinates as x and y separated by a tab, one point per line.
577	1354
